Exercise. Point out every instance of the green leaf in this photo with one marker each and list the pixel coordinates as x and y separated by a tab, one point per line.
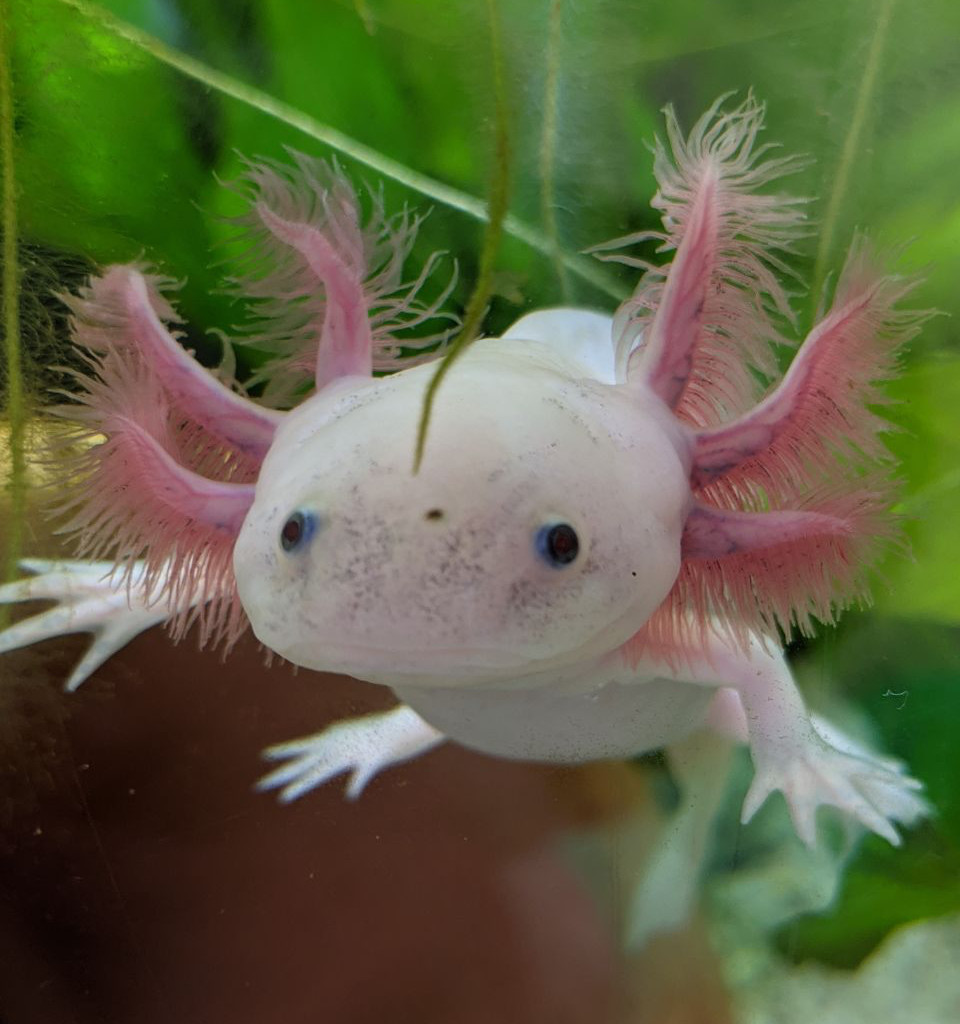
929	449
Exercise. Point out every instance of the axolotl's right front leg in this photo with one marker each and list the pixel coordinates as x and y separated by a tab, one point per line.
362	747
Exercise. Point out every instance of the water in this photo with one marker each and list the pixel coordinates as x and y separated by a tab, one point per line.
143	878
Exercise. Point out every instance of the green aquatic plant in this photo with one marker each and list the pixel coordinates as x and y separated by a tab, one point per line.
497	213
337	140
125	111
853	140
15	409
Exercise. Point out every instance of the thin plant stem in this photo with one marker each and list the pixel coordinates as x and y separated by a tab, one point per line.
548	143
851	144
499	201
363	13
337	140
16	484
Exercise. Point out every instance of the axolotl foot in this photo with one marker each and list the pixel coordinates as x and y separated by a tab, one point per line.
91	598
360	746
874	791
811	761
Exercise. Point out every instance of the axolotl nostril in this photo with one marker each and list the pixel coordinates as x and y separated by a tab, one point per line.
612	517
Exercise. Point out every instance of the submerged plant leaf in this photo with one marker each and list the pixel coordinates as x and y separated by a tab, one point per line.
499	202
15	483
929	449
332	137
851	143
911	977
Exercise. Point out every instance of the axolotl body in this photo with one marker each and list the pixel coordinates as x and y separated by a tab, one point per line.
607	525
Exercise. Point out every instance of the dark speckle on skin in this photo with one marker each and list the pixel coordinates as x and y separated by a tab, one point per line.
434	514
574	418
528	597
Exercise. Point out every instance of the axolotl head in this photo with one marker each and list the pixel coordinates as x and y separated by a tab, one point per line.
542	528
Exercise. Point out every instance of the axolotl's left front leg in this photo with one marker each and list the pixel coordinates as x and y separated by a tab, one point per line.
810	761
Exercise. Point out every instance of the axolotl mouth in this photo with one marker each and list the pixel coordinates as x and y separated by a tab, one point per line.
389	665
442	666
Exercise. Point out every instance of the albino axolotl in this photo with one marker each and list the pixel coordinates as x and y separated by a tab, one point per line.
610	520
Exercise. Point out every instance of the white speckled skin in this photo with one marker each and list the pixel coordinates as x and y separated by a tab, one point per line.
522	435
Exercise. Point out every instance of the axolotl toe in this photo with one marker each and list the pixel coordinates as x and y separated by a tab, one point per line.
612	518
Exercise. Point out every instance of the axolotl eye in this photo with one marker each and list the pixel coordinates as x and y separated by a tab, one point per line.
297	530
558	544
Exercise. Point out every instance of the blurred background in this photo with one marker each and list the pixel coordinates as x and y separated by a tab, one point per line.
141	878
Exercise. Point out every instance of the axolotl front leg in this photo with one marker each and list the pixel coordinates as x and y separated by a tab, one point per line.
91	597
362	747
810	761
